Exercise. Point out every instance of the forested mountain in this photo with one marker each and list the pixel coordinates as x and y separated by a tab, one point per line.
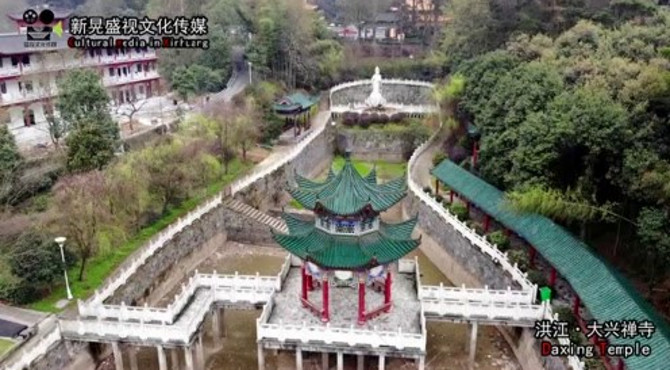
574	116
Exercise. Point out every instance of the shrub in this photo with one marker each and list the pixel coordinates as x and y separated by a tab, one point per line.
479	229
538	278
427	189
520	258
500	239
565	314
460	211
35	263
438	158
439	198
398	117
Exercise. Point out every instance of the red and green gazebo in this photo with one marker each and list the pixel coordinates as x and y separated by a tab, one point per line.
347	236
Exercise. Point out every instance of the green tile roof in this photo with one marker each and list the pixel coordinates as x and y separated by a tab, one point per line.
604	291
347	192
390	243
295	102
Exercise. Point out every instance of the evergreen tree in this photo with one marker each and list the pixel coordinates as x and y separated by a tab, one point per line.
10	164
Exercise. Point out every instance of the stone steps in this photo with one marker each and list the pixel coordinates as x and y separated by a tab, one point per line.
255	214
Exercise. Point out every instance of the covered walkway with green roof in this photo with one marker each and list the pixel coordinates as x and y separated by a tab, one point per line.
604	291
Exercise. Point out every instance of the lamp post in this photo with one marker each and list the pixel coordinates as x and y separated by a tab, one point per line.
61	241
250	81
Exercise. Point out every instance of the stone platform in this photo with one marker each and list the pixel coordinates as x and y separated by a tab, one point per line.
405	312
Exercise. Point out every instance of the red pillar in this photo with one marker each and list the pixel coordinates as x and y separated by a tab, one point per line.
387	290
437	187
467	206
552	277
361	299
310	283
575	307
304	282
531	254
325	317
487	221
451	196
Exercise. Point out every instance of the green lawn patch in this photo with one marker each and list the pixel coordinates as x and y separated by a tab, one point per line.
100	267
5	345
385	170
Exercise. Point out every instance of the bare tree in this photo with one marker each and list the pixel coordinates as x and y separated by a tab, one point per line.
83	214
129	109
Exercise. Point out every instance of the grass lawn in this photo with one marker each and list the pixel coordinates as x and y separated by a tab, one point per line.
385	170
99	267
5	345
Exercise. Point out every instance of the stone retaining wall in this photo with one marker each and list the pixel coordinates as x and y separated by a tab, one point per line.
473	263
158	266
269	192
372	144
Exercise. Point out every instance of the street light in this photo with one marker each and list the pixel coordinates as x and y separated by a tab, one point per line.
250	81
61	241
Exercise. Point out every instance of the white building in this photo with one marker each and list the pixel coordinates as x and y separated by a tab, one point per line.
28	75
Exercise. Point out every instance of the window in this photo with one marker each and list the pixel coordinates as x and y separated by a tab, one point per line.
15	61
146	67
25	59
139	68
29	86
141	89
91	53
3	87
28	117
125	71
128	96
111	72
1	58
109	52
98	52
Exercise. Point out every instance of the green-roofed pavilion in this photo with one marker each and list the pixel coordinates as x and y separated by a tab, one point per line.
347	235
348	192
603	290
296	110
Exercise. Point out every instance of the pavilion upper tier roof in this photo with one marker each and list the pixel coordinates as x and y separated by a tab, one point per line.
387	244
348	192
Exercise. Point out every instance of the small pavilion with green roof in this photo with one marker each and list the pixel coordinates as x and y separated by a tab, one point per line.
295	109
347	237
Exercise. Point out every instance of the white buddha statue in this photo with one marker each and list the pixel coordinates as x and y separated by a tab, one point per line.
376	99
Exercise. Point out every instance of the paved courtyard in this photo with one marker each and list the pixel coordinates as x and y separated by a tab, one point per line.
344	305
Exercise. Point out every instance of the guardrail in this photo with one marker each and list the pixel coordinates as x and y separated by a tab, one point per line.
573	361
235	284
479	241
448	293
493	311
22	358
330	334
393	81
140	257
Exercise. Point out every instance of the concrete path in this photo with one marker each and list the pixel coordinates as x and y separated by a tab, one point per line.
20	315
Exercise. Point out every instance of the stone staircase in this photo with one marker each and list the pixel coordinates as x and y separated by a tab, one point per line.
253	213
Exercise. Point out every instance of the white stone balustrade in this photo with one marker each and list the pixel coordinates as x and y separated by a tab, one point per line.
574	361
329	334
240	288
24	356
448	293
479	241
484	311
